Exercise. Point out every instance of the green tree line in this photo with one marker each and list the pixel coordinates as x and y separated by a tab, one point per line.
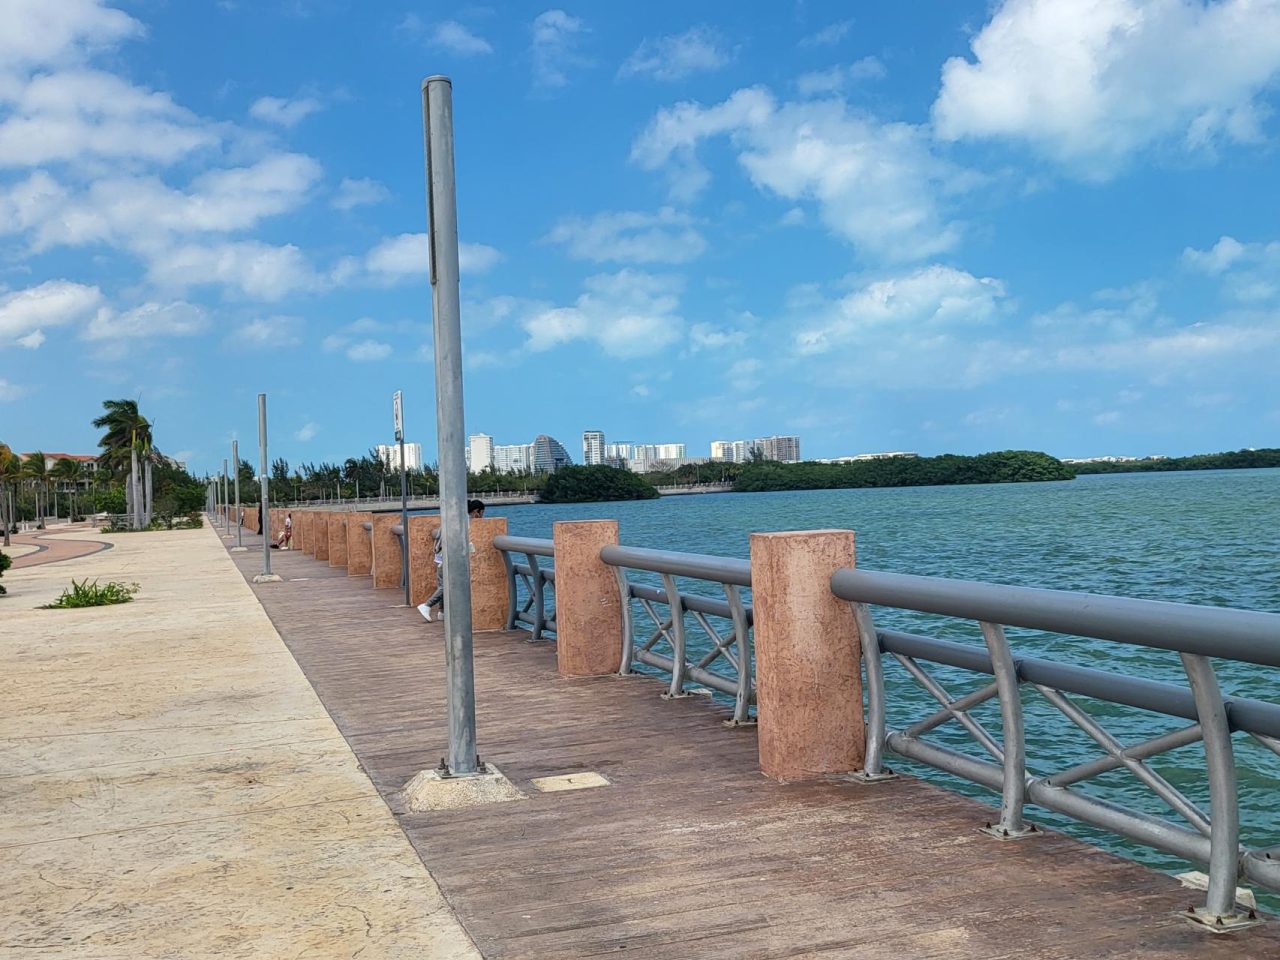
1007	466
1230	460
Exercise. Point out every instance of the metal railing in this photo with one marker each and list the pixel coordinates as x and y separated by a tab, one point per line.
531	584
731	648
1195	633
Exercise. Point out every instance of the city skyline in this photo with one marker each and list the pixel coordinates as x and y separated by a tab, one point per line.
943	227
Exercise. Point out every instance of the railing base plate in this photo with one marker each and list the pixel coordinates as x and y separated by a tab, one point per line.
1217	923
732	722
861	776
1000	833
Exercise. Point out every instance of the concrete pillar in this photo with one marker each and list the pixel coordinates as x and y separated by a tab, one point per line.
309	532
808	678
274	521
321	538
338	540
300	530
422	556
588	607
489	587
386	551
359	545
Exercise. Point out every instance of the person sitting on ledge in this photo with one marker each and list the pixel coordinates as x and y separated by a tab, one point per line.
286	535
475	511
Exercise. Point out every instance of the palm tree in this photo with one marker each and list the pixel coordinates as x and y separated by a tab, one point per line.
70	472
36	469
10	467
127	430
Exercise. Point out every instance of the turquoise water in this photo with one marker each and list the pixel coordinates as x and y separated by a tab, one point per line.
1210	537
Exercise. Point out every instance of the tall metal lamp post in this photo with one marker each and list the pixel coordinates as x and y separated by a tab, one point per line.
397	402
442	222
264	507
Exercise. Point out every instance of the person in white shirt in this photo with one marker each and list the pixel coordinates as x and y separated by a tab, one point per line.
475	511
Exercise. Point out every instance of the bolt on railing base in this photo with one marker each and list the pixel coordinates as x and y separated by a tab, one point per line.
1002	833
734	722
1221	923
861	776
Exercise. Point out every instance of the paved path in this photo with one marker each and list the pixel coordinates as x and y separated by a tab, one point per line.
53	546
170	786
689	852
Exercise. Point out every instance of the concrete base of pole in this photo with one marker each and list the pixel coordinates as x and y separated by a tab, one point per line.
267	578
438	790
239	549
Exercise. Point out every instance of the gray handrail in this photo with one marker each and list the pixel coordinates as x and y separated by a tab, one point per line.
696	566
1246	635
535	577
1196	633
530	546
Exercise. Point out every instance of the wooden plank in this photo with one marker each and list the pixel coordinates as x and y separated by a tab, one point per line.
690	852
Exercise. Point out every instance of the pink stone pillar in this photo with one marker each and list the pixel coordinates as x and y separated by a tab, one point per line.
808	676
489	587
321	535
359	545
422	556
338	540
588	607
386	551
302	531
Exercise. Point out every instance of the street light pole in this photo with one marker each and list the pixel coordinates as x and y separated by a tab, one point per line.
226	502
442	221
235	460
264	508
404	499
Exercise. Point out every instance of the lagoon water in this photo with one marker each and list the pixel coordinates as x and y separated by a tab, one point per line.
1209	537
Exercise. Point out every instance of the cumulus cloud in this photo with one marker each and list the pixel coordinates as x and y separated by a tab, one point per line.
408	257
837	79
256	270
1089	82
554	48
177	319
10	391
1250	272
307	431
25	314
454	37
38	33
697	50
627	314
284	112
667	236
829	35
359	193
366	350
878	185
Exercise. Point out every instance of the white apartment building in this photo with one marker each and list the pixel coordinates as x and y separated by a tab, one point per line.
784	449
721	449
389	453
513	457
593	447
480	452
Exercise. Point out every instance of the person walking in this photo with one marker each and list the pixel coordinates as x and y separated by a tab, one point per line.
286	535
475	511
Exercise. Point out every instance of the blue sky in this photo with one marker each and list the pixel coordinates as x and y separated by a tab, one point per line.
947	226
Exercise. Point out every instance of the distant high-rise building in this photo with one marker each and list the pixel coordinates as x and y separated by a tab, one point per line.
721	449
618	450
742	451
389	453
783	449
593	447
513	458
549	454
480	450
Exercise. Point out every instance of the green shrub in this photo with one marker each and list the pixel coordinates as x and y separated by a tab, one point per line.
86	594
595	483
6	562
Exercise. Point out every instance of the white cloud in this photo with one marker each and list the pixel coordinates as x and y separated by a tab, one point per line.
258	270
837	79
142	212
703	336
1250	272
32	341
10	391
627	314
408	257
1089	82
1216	259
276	331
368	350
284	112
307	431
554	48
876	184
53	303
39	33
667	236
359	193
176	319
697	50
454	37
829	35
81	114
933	298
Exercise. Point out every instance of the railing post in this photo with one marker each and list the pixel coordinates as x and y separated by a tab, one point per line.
539	587
873	768
510	570
588	609
359	545
1013	793
338	540
808	681
320	535
679	651
386	551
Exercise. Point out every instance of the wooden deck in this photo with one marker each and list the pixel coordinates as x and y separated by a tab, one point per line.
690	852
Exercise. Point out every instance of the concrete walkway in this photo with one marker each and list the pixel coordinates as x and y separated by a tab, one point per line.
52	546
170	786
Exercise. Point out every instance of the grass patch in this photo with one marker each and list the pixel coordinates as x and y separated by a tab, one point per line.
86	594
